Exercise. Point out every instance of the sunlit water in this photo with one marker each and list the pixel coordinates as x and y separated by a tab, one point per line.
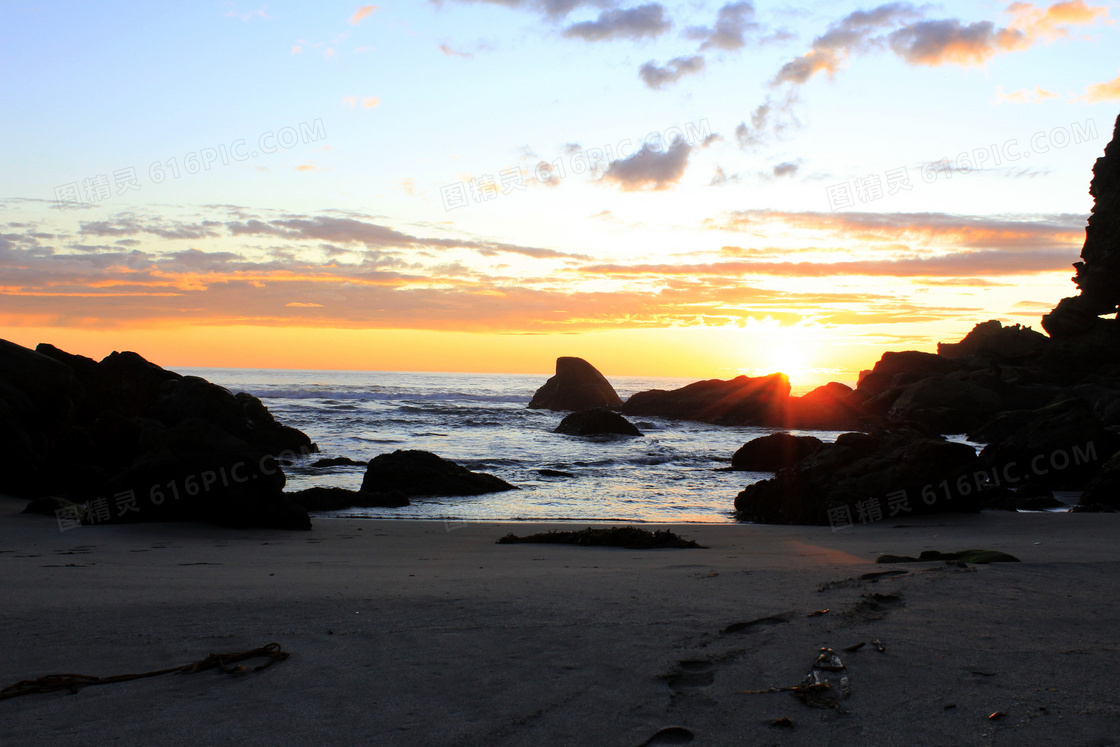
672	474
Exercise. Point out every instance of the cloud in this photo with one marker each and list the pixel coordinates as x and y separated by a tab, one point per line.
769	120
650	169
1050	23
787	168
449	52
949	41
302	305
1024	96
640	22
655	77
370	102
852	33
552	9
1108	91
733	23
363	12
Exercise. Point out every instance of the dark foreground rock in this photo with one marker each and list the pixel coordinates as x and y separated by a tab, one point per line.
421	473
739	401
577	385
976	557
123	440
632	538
774	452
338	499
863	478
596	421
1104	488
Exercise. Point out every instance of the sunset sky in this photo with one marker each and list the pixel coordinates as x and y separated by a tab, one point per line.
682	188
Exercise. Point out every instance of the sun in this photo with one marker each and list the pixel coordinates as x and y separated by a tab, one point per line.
788	357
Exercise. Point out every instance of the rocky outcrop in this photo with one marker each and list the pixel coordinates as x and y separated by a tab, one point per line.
991	341
739	401
834	406
596	422
775	451
123	440
863	478
577	385
421	473
339	499
1098	272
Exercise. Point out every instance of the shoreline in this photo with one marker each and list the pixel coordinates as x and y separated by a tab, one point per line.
402	633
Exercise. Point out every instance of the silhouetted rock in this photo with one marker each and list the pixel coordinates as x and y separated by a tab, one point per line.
1104	488
337	462
421	473
830	407
738	401
945	404
339	499
990	340
632	538
1098	274
773	452
596	421
895	369
866	478
125	440
1060	446
577	385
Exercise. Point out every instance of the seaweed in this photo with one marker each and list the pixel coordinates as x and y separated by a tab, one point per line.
631	538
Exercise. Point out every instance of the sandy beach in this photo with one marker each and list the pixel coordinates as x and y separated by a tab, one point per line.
405	633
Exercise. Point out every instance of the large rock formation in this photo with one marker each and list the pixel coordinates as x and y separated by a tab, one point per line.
739	401
1098	274
598	421
124	440
577	385
863	478
773	452
422	473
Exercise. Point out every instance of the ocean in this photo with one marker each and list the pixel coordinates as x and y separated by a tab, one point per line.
671	475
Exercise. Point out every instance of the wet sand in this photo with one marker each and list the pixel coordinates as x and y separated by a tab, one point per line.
404	633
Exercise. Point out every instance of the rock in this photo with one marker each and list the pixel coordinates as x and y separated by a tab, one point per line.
976	557
338	462
945	404
596	421
1098	274
912	363
1104	488
990	340
1026	497
738	401
196	471
338	499
632	538
577	385
131	441
421	473
829	407
1058	446
866	477
773	452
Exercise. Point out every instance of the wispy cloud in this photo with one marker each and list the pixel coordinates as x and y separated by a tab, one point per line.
640	22
361	13
1107	91
657	77
733	23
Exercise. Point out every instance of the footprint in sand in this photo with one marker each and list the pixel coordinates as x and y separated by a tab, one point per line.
753	626
670	736
691	675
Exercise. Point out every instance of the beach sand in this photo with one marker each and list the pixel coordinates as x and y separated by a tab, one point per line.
404	633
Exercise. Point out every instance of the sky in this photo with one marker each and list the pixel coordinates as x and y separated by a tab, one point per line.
697	189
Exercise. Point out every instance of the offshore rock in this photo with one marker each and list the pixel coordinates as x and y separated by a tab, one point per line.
422	473
596	421
577	385
739	401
